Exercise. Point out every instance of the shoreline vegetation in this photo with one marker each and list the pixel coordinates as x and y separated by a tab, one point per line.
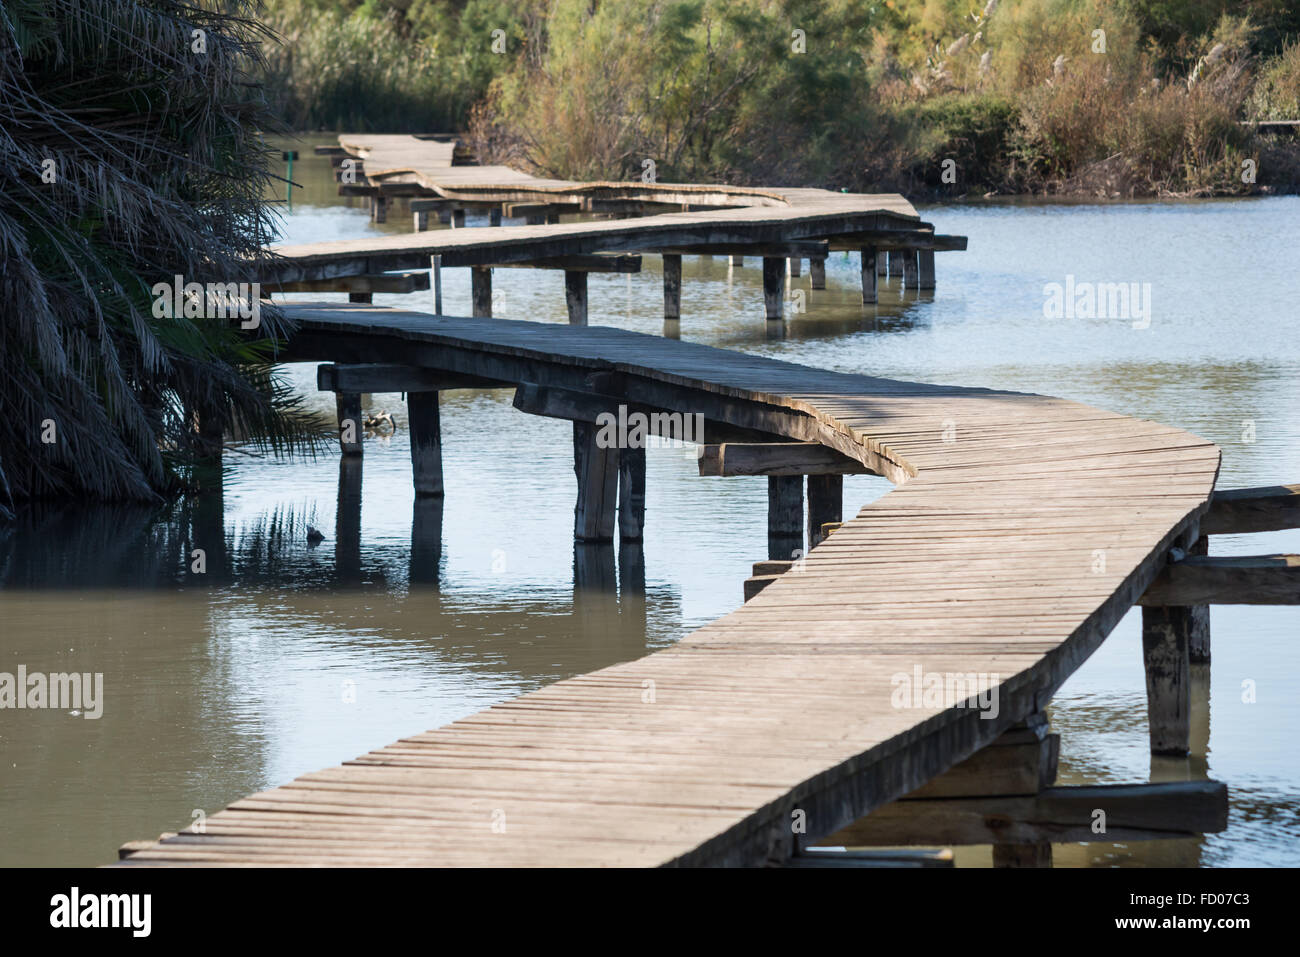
131	154
931	98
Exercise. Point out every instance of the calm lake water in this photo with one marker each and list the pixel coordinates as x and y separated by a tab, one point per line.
287	658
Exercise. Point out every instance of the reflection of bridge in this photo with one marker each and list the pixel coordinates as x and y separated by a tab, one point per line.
1022	529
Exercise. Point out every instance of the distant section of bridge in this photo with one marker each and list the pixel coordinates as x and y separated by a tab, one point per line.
1021	530
584	227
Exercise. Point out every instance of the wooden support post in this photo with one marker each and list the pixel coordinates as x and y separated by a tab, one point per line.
631	494
348	405
773	288
817	270
347	522
1165	637
896	263
444	216
494	216
481	290
379	208
361	297
435	273
672	286
882	263
425	428
909	269
825	504
868	275
737	261
575	296
793	265
597	472
1198	617
458	219
420	220
776	458
784	516
925	269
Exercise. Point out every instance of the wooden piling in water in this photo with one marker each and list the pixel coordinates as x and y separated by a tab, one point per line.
481	290
784	516
672	287
773	288
494	216
825	504
896	263
458	219
424	424
1165	655
737	261
793	266
882	263
379	208
631	494
869	294
348	406
420	220
925	269
435	280
575	296
817	272
597	471
909	269
361	297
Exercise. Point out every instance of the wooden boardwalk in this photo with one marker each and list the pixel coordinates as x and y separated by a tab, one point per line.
1021	529
707	218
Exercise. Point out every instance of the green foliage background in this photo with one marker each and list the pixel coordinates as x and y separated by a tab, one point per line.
870	95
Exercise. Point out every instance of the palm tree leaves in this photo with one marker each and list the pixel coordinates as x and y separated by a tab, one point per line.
130	152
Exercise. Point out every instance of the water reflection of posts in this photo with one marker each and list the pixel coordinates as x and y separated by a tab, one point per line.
426	539
347	522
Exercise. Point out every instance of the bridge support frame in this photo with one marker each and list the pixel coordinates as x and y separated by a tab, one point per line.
631	494
925	269
575	296
773	288
348	406
869	255
597	471
909	269
784	517
425	426
672	287
481	291
817	272
825	504
896	263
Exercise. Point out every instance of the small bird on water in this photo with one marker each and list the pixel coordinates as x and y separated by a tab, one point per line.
314	537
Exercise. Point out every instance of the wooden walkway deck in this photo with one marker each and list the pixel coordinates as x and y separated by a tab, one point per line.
710	218
1021	529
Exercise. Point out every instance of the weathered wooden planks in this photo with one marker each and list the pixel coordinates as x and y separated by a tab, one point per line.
983	561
